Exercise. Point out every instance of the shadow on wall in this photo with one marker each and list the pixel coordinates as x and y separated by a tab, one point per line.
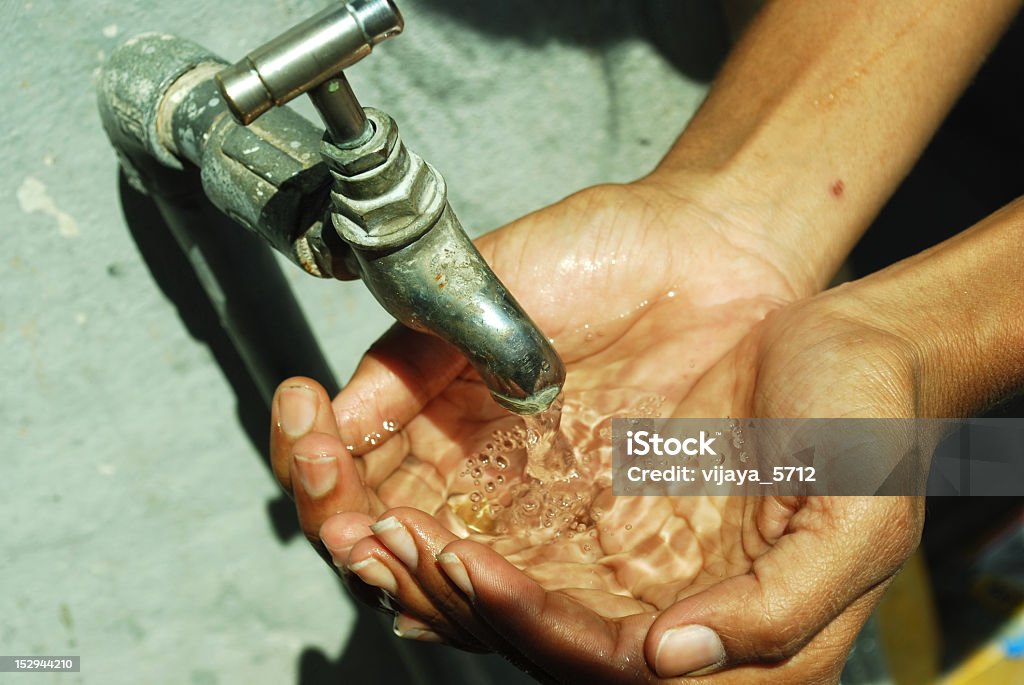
691	34
175	276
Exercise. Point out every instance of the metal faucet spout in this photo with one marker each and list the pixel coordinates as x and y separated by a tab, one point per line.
440	284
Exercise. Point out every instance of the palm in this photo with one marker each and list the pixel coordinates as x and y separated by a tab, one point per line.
685	313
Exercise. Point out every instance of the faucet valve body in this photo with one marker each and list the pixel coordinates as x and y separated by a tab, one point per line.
392	209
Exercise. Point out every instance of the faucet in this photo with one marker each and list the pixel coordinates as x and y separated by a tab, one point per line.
352	202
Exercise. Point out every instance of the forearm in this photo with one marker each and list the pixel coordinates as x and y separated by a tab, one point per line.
823	107
961	306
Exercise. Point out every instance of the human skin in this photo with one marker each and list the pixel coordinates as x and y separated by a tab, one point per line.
745	220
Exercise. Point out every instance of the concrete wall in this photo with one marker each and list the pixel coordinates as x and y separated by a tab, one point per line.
135	507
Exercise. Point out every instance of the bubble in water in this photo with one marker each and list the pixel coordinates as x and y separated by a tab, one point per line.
477	472
391	425
475	507
490	486
484	460
475	496
501	463
629	526
500	478
586	548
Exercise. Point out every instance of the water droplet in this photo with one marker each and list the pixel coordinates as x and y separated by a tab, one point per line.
671	293
501	463
475	496
629	526
500	478
475	507
391	425
490	486
477	472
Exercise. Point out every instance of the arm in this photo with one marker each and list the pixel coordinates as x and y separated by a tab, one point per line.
821	110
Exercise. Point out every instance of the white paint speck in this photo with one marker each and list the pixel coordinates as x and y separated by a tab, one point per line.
32	197
294	144
110	31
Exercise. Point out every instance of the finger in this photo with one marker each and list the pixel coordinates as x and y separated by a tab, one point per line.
820	662
556	638
341	532
326	482
415	538
300	406
376	567
410	628
395	379
835	555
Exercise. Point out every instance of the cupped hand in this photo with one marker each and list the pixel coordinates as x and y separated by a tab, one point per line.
657	302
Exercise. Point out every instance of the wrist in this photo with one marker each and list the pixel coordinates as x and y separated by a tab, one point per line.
958	308
749	217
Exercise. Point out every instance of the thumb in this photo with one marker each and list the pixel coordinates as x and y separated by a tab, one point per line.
837	550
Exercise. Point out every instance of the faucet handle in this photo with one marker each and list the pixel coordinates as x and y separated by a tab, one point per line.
310	57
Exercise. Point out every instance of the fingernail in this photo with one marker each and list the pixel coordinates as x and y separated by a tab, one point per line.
685	650
374	573
317	474
339	555
396	538
296	407
409	628
456	570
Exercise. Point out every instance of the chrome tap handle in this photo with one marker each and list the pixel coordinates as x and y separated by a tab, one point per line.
309	58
